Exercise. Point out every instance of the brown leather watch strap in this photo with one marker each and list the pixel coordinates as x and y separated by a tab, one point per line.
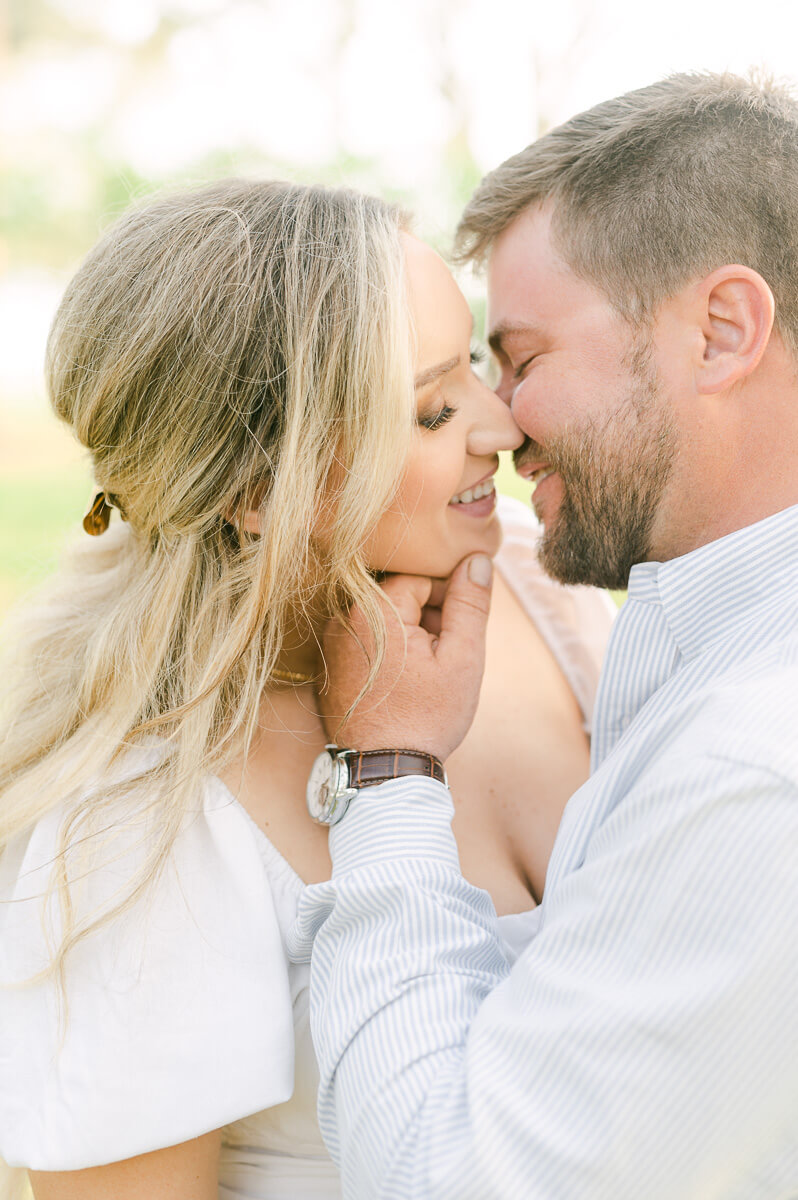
367	767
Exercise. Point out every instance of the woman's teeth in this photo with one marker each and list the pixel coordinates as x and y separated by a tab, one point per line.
475	493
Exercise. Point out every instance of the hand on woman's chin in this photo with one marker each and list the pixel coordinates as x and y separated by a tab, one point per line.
431	613
440	566
438	571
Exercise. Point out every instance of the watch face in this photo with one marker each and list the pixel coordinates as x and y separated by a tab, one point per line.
328	792
320	789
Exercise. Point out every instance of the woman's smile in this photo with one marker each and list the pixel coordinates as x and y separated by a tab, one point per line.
476	501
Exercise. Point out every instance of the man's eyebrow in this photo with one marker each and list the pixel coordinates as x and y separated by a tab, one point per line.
507	329
433	373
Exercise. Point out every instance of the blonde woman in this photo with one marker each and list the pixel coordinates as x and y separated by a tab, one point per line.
274	386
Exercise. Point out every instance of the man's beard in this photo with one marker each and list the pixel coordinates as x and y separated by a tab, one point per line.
613	476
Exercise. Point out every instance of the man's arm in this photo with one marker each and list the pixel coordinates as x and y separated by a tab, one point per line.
644	1045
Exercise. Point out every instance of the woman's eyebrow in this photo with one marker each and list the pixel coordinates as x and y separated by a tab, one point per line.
433	373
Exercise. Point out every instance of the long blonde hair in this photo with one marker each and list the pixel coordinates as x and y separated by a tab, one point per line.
244	345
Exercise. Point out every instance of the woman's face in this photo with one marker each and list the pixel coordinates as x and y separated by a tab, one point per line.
445	506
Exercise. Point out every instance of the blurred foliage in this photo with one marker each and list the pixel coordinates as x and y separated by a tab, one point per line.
41	225
58	194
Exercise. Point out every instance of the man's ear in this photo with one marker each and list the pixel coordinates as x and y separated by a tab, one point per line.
736	310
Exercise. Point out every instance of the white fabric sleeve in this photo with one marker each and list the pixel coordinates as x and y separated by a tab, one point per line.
574	621
179	1011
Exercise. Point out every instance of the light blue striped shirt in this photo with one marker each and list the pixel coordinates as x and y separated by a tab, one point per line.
645	1045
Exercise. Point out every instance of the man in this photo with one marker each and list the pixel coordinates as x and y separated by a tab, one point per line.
643	300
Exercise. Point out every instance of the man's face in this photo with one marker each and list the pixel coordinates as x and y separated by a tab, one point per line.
601	441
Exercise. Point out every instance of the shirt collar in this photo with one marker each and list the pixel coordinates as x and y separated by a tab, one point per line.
718	587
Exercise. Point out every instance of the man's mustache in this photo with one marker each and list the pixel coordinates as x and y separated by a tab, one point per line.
529	452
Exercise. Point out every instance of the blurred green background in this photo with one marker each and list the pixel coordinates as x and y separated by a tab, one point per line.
44	489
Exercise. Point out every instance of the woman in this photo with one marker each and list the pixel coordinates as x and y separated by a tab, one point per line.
275	387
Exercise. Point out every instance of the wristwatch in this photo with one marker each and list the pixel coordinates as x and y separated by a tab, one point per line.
337	774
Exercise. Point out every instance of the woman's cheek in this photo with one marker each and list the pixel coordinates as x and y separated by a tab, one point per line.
398	527
420	490
409	534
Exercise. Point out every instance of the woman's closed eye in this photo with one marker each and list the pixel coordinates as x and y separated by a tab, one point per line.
437	419
445	413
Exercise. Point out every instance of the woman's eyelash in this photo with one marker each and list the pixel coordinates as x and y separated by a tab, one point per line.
435	420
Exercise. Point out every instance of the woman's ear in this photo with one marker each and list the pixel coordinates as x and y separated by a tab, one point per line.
736	310
251	521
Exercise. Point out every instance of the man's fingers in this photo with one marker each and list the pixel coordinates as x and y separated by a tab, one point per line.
437	592
464	616
408	594
431	620
431	613
348	645
427	689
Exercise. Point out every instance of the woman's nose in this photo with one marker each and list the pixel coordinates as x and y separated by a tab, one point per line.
494	428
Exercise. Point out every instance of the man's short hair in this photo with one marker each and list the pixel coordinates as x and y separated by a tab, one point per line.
659	186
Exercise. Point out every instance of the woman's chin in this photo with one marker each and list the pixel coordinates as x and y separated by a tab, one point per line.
439	563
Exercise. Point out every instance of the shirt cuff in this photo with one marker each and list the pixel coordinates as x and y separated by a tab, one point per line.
403	818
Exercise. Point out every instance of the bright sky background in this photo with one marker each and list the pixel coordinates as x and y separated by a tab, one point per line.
304	81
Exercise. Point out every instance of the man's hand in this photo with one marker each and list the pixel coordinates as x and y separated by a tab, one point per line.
426	692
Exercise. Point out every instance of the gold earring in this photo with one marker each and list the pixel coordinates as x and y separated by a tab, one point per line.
98	515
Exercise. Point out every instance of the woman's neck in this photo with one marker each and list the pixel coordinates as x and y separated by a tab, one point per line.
301	655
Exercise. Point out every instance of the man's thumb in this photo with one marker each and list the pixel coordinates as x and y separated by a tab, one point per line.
465	609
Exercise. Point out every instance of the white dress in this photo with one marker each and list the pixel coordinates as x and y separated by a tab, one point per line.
184	1014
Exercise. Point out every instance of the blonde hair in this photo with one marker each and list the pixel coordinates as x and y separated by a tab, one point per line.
659	186
244	345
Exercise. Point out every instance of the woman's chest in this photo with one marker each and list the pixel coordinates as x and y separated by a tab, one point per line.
524	756
272	783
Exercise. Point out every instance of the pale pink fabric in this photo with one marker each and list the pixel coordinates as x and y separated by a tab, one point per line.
574	621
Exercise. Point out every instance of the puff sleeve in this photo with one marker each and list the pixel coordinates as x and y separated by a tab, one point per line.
178	1015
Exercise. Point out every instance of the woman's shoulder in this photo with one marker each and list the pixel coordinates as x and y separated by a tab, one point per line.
218	865
174	1016
575	621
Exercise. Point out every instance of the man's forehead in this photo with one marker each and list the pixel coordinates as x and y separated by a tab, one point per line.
529	282
519	302
529	232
